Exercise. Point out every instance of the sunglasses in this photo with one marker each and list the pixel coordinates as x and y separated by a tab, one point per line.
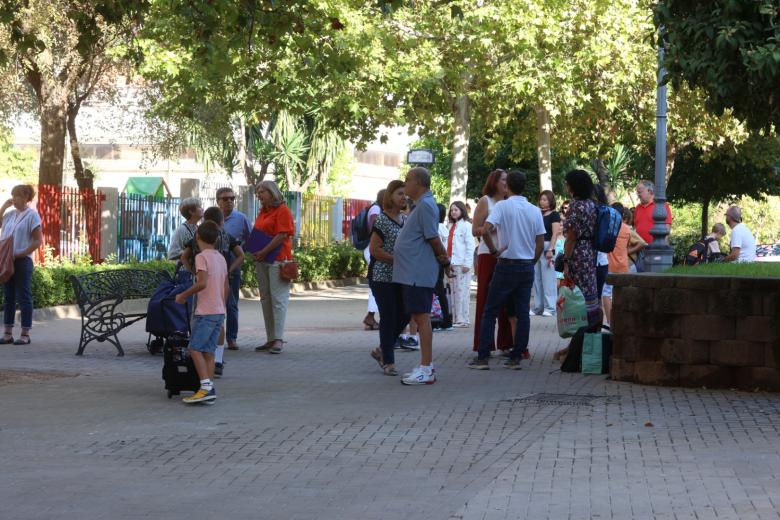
227	198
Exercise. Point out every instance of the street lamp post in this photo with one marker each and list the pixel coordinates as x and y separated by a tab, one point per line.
659	254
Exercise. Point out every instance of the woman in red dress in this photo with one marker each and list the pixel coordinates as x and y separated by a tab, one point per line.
494	191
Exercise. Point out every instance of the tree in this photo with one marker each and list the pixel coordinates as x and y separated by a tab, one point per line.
461	55
226	71
726	172
58	46
728	48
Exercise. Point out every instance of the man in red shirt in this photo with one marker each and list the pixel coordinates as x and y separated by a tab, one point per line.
643	213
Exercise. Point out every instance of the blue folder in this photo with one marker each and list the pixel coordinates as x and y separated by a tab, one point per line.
258	240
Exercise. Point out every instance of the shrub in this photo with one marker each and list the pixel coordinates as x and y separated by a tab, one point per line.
332	262
51	283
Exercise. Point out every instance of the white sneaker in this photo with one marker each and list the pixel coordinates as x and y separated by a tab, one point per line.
532	313
419	377
548	314
409	374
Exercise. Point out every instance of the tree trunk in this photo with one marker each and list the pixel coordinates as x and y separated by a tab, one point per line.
705	217
603	177
53	129
460	148
84	178
543	147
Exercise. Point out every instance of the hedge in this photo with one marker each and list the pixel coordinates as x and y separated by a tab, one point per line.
51	284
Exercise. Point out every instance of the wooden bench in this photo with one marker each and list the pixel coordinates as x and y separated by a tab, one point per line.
99	294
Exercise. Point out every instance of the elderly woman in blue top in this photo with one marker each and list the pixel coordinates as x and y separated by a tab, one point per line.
24	225
417	255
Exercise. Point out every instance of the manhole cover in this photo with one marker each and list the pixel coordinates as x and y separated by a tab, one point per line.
559	399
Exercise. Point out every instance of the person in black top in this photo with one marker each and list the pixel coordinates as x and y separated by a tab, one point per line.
545	280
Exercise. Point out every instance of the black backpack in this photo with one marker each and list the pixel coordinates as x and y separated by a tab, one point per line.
361	234
699	252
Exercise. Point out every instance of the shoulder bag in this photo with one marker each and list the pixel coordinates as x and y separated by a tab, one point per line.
7	251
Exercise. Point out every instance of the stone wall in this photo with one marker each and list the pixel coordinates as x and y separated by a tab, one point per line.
713	331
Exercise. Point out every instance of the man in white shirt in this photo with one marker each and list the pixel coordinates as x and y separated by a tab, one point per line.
521	235
743	243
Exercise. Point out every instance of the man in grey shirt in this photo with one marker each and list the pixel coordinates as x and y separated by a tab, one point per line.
417	255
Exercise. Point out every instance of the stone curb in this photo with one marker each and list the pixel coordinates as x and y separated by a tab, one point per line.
59	312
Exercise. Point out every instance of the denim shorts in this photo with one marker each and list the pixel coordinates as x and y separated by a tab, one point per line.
417	300
205	332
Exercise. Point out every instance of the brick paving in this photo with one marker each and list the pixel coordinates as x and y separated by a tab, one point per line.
319	432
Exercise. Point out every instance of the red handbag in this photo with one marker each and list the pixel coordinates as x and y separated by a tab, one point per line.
289	271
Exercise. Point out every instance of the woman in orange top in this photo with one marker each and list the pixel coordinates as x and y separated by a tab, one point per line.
275	220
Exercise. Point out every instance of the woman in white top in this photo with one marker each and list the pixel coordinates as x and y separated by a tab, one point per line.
493	191
24	225
369	321
460	249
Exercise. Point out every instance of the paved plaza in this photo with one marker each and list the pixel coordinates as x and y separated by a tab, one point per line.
319	433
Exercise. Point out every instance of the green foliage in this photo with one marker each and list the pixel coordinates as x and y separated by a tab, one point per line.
333	262
726	173
730	49
749	270
51	283
19	165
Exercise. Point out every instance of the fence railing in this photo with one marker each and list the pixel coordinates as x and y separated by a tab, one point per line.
77	227
145	225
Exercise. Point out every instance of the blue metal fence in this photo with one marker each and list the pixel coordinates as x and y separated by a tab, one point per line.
145	225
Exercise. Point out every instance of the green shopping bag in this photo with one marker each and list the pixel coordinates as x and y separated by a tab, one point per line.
570	309
596	351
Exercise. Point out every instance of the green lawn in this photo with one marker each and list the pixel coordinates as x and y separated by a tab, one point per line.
758	269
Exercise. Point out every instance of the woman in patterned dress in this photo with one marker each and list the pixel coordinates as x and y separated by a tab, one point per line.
380	276
579	252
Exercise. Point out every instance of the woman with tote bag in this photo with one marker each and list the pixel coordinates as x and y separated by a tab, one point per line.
22	226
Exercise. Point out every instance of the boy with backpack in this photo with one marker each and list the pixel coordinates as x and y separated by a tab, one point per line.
212	288
225	245
708	248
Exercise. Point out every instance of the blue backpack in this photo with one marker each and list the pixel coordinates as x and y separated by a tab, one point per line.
164	316
608	222
361	235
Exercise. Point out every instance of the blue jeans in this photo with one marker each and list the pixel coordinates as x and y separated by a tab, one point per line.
510	283
389	299
231	325
19	290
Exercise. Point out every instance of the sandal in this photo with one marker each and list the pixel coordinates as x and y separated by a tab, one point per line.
24	339
7	340
232	345
377	355
390	370
265	346
370	323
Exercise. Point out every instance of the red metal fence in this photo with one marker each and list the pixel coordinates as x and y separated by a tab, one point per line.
71	221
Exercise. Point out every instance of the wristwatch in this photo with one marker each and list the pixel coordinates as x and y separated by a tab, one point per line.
493	252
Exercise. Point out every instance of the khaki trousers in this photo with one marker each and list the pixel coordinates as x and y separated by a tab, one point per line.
275	295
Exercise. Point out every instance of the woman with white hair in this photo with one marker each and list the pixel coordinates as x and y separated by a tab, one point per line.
275	220
192	211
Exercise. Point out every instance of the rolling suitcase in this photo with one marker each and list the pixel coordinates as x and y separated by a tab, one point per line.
178	369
